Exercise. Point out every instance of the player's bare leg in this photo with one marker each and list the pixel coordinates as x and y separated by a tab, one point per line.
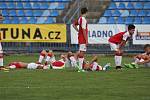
118	59
42	56
81	59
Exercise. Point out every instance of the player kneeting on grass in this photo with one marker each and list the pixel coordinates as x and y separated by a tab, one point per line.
118	41
82	36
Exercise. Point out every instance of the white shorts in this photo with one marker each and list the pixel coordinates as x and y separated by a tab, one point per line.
82	47
32	66
113	46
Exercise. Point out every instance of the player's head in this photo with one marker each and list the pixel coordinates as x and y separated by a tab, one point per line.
40	66
69	54
63	56
147	48
131	29
84	11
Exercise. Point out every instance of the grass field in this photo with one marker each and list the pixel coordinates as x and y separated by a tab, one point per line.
127	84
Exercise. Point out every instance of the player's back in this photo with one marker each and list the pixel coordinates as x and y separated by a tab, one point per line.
117	38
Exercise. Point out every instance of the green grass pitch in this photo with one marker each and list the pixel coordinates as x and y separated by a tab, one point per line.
127	84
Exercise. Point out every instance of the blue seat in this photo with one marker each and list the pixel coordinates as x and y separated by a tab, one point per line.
12	13
148	13
53	6
32	20
120	20
28	13
138	5
147	5
27	5
116	13
103	20
6	22
36	6
61	6
146	20
129	6
4	12
20	13
37	13
121	5
25	0
23	20
133	13
44	6
49	20
41	20
125	13
54	13
15	20
11	5
46	13
108	13
142	13
3	5
112	6
19	5
111	20
129	20
137	20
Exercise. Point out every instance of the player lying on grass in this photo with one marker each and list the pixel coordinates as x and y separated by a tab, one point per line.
141	59
71	58
94	66
50	60
19	65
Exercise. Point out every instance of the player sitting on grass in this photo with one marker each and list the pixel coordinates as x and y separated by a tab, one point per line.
141	59
94	66
18	65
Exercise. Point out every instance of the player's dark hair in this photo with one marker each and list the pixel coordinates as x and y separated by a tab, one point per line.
131	26
84	10
146	46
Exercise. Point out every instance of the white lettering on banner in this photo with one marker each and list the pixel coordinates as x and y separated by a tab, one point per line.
97	33
142	35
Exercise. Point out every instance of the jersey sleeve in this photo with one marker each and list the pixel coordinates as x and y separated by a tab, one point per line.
126	36
83	22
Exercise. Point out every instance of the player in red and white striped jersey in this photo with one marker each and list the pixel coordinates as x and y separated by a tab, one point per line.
118	41
82	36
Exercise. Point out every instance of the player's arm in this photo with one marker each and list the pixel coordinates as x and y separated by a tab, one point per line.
122	44
75	24
145	61
124	40
75	27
